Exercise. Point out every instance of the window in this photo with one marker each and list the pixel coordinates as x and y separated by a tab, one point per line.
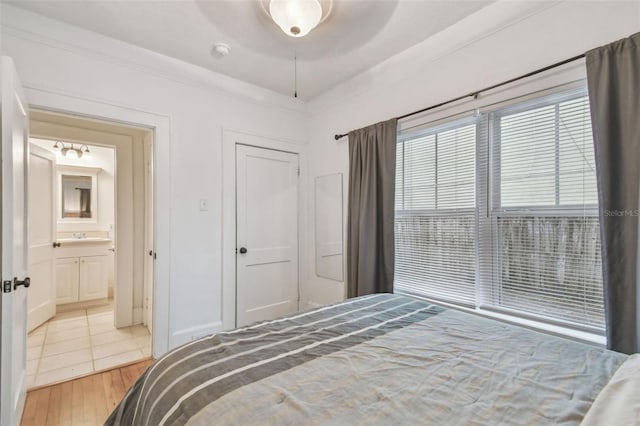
519	233
543	214
435	226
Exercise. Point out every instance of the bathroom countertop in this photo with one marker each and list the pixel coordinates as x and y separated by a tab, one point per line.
86	240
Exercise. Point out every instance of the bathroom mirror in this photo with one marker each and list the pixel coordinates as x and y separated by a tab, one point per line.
328	220
77	194
76	197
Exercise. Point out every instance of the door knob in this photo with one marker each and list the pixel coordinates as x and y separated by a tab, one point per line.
26	283
243	250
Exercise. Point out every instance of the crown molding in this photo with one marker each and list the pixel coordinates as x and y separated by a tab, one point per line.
410	62
39	29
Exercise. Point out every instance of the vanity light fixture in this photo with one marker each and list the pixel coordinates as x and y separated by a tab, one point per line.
64	149
296	17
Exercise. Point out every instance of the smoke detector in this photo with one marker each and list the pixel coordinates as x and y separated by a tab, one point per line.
220	50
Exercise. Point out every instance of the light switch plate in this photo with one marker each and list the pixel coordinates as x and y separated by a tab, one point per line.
204	205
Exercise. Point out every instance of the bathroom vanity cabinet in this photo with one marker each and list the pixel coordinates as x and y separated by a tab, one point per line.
82	272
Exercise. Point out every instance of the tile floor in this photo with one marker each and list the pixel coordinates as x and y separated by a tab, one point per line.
76	343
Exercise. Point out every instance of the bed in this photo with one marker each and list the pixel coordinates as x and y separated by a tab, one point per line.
380	359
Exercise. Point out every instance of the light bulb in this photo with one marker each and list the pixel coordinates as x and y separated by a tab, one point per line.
296	17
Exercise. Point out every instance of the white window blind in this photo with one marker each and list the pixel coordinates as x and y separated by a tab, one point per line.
546	258
435	226
501	213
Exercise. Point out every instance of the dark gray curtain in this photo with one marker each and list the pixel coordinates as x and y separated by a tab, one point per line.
613	75
372	167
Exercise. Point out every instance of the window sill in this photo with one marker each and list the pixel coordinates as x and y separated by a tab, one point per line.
556	330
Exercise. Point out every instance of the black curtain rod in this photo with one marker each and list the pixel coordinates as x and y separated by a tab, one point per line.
477	92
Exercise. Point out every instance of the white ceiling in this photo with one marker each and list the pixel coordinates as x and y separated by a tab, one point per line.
356	35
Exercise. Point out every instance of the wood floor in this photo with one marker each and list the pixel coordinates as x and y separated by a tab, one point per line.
86	401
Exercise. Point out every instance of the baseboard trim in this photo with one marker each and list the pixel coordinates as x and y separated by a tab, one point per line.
137	316
310	305
192	333
67	307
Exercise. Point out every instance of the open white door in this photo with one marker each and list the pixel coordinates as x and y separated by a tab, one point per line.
149	243
267	234
13	347
41	300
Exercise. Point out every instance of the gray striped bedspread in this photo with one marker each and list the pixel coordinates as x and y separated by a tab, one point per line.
380	359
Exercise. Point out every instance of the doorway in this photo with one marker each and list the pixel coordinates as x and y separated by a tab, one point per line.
102	278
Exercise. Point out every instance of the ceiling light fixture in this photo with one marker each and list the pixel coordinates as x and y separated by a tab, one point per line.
64	149
296	17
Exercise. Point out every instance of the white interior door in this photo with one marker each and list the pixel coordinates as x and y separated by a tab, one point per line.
148	234
266	234
41	299
13	347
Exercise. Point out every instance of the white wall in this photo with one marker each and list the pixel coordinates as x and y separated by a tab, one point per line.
501	41
56	58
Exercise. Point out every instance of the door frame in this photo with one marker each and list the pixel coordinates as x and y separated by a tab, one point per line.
148	232
230	139
160	124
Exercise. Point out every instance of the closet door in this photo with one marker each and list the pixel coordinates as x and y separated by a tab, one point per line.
267	234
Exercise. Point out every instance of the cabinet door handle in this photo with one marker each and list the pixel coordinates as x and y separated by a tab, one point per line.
56	244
